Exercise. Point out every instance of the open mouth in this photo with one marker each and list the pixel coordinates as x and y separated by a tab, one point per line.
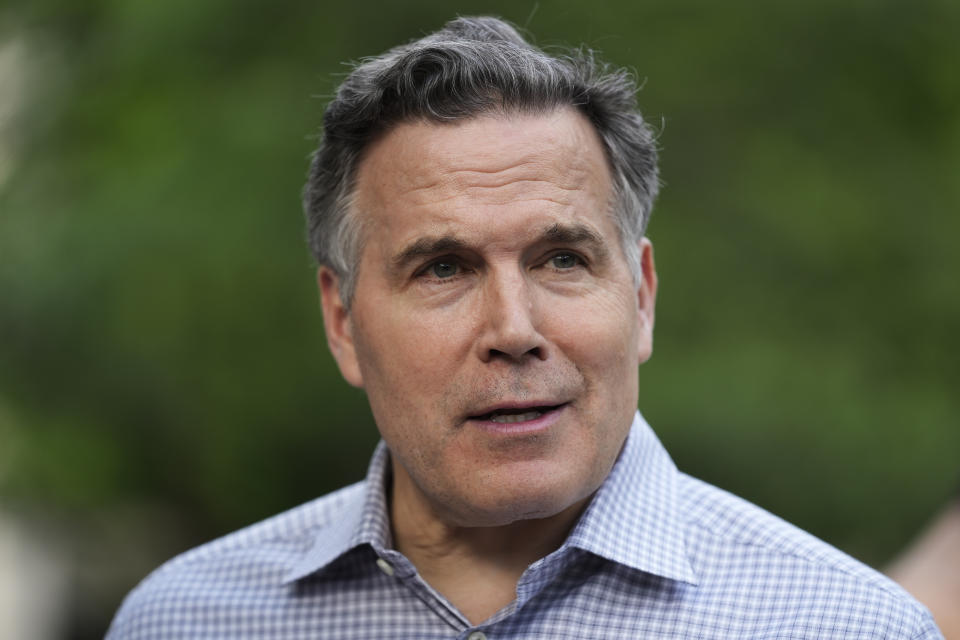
509	416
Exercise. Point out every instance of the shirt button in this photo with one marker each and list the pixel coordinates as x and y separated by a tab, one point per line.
477	635
385	566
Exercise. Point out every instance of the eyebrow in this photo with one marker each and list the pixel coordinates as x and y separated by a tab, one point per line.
572	234
575	234
424	247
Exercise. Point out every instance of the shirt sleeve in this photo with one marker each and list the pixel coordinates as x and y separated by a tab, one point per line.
928	629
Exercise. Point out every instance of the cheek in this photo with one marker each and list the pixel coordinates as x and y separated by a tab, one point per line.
601	336
407	354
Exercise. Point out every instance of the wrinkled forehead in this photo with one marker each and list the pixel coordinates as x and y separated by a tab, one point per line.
556	155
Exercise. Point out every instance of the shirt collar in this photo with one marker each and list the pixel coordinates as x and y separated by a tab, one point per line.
365	519
633	518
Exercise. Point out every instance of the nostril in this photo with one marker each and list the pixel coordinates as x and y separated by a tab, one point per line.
535	352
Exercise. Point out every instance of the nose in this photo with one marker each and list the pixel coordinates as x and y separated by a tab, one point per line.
510	317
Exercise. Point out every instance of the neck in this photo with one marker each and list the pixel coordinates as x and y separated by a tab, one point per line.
475	568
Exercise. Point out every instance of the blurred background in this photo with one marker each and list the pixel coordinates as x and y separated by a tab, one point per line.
164	377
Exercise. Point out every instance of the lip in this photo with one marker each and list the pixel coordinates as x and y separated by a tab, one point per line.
525	427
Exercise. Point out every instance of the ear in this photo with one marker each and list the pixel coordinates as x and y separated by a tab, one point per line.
646	299
339	327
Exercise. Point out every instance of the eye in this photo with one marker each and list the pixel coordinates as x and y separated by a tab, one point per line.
443	269
565	261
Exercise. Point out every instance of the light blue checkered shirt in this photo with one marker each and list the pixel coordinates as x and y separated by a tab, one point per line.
656	554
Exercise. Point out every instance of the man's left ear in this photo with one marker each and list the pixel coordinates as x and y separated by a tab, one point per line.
646	299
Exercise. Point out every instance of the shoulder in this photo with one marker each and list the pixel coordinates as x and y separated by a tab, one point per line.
736	546
247	565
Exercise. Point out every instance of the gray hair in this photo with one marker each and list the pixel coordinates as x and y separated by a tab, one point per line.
470	67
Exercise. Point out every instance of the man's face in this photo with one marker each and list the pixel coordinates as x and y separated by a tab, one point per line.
495	325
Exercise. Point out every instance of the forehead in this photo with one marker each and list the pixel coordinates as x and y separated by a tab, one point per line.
483	171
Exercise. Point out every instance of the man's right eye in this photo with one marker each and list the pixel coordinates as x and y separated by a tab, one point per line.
444	269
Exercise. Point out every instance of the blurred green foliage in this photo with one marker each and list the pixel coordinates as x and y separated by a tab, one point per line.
160	338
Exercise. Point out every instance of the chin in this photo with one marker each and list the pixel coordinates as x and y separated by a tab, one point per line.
505	508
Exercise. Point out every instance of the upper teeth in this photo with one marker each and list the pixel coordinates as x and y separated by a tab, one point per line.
515	417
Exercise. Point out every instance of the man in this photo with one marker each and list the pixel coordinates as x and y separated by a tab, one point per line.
478	209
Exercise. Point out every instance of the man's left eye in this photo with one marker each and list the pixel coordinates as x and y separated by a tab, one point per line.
564	261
